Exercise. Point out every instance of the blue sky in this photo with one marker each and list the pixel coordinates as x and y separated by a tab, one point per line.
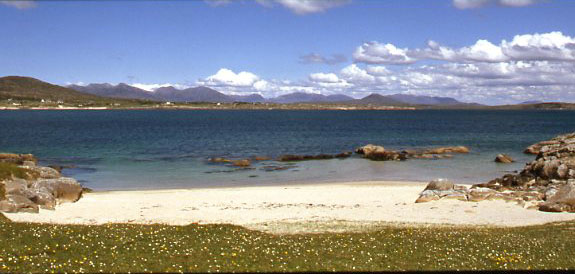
279	46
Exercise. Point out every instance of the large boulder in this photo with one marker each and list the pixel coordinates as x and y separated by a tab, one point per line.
442	189
503	158
16	186
63	189
563	200
440	185
18	203
369	149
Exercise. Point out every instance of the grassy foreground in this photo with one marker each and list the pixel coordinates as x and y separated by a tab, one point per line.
140	248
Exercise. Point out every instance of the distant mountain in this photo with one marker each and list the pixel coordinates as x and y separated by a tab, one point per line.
115	91
424	100
251	98
302	97
196	94
377	99
27	88
531	102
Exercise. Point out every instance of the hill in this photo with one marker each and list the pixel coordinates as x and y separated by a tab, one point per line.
27	88
115	91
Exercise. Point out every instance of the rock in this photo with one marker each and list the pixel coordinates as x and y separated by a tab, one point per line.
443	150
17	203
562	201
440	185
63	189
480	194
261	158
427	196
44	199
343	155
242	163
16	186
219	160
44	172
532	149
18	159
368	149
503	158
386	156
441	188
457	195
29	163
292	158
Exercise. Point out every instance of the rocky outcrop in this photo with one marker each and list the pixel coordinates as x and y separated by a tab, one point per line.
558	141
45	190
18	159
504	159
379	153
547	183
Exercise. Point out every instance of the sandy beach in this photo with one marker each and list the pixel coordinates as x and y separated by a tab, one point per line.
300	207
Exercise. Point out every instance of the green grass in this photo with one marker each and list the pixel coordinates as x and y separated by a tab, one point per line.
7	170
140	248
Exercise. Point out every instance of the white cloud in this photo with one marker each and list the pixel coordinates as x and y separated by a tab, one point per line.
527	67
310	6
546	46
528	47
376	53
19	4
472	4
324	77
301	7
226	77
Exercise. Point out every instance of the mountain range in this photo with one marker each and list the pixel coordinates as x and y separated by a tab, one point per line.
206	94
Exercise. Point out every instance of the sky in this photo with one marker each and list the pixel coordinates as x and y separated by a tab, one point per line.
485	51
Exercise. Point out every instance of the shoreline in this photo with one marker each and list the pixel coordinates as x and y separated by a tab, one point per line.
289	209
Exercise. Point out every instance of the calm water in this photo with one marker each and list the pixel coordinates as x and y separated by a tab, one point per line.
135	149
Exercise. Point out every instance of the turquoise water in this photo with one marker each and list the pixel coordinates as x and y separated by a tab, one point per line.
140	149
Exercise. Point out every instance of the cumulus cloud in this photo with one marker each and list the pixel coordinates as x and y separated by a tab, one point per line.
226	77
377	53
528	47
525	67
472	4
314	58
19	4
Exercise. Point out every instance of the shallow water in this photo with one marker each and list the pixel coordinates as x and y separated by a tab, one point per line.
142	149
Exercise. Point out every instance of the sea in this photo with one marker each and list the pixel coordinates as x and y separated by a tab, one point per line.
167	149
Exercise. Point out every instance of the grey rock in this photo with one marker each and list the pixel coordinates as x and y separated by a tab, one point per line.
17	203
440	184
63	189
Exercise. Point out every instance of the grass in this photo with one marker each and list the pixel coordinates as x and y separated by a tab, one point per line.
201	248
7	170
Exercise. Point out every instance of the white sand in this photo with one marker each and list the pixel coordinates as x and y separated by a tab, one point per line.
266	207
